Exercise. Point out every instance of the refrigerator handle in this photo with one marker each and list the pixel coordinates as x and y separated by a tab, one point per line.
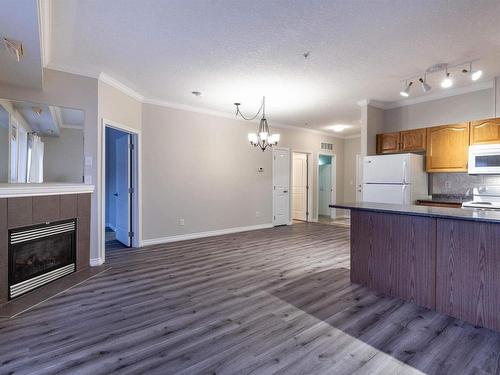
405	201
404	171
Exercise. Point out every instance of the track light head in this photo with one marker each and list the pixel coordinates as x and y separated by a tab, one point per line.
406	91
447	82
474	74
425	86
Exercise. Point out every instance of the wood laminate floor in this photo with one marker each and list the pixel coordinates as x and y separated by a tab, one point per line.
273	301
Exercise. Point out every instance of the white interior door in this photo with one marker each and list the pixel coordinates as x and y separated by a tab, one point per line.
325	189
123	193
299	187
281	186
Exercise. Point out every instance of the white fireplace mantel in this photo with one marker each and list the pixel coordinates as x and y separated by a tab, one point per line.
29	190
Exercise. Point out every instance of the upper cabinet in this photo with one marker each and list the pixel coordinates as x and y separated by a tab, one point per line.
388	143
447	148
485	131
413	140
405	141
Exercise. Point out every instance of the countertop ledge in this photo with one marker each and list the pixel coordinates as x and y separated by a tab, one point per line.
437	212
29	190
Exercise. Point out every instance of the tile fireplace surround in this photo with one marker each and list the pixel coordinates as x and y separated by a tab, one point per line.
32	204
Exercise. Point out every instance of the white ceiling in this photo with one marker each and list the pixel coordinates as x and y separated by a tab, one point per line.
235	50
19	21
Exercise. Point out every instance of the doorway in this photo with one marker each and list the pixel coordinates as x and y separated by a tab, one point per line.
281	186
300	186
326	187
120	201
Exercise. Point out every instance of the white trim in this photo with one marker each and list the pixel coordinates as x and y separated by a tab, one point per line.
90	73
76	127
45	28
112	227
429	97
192	236
137	182
441	94
57	117
353	136
106	78
310	170
29	190
103	77
94	262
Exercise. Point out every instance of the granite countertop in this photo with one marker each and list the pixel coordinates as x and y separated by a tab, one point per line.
489	216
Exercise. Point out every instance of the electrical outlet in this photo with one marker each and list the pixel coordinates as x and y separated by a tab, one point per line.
257	214
447	184
181	222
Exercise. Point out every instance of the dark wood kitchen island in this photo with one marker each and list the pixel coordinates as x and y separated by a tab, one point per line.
446	259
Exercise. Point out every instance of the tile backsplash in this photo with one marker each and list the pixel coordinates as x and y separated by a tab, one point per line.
459	183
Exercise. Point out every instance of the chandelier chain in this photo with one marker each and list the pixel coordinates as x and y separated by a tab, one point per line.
238	112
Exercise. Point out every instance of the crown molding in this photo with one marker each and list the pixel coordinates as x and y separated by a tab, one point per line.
45	28
106	78
354	136
75	127
79	72
371	103
427	98
103	77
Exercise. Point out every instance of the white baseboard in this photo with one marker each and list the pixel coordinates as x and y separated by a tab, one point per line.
112	227
96	262
191	236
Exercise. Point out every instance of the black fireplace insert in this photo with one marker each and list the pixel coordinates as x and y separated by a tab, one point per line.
40	254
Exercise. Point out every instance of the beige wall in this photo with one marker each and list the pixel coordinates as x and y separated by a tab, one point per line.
352	147
73	91
453	109
63	156
200	168
195	166
116	106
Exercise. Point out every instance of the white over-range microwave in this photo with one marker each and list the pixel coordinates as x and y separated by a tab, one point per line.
484	159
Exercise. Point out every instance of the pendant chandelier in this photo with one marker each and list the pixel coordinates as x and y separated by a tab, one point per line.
263	138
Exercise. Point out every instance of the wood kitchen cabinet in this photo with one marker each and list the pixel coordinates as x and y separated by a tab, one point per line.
388	143
485	131
413	140
447	148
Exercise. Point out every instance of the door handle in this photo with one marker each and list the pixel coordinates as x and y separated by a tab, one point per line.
115	194
285	191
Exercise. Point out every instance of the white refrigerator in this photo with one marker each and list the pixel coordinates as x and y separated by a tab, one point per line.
397	179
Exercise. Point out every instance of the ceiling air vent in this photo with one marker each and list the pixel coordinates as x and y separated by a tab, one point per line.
15	47
327	146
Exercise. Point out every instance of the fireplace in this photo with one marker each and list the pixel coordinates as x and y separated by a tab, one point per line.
40	254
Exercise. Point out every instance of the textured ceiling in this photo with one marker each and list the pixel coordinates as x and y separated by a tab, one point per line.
233	50
19	21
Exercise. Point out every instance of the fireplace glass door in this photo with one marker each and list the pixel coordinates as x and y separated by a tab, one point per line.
38	251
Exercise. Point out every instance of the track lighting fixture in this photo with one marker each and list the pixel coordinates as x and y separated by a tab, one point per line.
406	91
474	74
425	86
447	82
